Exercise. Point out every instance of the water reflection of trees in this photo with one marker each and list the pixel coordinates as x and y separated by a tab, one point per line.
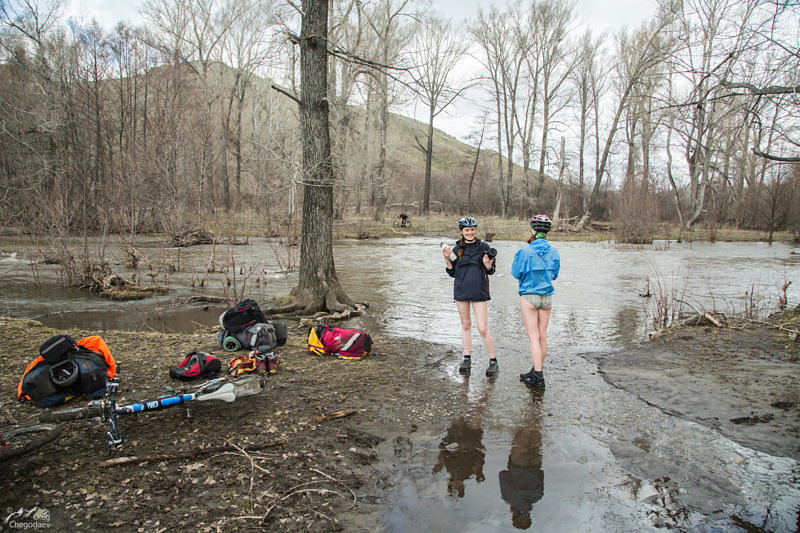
461	451
522	482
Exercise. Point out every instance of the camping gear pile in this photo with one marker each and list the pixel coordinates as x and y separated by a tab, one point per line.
66	368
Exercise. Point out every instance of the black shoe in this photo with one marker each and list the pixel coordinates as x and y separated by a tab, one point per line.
527	374
465	364
492	369
535	380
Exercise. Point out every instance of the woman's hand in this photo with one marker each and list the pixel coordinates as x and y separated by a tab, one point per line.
488	261
446	251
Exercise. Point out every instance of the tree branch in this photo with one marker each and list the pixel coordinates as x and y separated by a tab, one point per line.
285	92
757	151
758	91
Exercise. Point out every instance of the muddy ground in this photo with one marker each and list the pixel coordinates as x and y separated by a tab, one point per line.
317	470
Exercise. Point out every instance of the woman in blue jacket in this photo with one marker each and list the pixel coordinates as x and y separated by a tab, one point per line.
535	267
471	264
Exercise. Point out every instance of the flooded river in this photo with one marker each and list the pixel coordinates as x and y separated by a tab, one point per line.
584	456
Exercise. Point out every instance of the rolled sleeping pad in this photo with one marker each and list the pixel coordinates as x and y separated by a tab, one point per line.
231	344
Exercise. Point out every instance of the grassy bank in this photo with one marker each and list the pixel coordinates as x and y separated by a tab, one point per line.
514	230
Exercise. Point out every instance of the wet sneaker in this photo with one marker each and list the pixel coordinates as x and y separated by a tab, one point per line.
535	380
492	369
527	374
465	365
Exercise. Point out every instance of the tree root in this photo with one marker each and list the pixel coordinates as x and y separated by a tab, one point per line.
323	317
334	305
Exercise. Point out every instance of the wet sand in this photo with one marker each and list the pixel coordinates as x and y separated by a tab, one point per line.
743	381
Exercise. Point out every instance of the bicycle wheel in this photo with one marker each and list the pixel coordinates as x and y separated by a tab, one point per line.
396	223
86	412
20	441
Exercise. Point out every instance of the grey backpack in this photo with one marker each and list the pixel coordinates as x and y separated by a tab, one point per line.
263	336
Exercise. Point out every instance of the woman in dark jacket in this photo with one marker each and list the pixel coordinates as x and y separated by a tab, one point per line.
470	262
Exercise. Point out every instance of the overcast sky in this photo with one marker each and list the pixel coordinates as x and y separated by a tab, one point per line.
606	15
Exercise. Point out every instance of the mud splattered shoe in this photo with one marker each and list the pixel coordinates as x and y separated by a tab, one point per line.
465	365
535	380
492	369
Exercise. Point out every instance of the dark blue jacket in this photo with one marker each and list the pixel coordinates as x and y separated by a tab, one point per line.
471	277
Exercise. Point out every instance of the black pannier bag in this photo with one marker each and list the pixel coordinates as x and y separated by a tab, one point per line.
57	347
244	314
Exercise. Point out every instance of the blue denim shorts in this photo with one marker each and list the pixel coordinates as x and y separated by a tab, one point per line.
539	301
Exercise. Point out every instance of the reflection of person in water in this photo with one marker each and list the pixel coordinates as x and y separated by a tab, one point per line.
461	451
522	483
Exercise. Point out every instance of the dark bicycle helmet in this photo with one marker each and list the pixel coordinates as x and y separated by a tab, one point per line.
64	373
467	222
541	224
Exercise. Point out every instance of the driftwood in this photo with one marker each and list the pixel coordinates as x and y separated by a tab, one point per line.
794	334
207	299
194	453
333	416
116	287
198	236
193	237
710	318
700	319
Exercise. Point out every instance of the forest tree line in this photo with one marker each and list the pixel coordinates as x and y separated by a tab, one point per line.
689	118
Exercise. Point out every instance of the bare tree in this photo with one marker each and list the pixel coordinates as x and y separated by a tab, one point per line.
434	57
644	59
389	35
556	66
771	81
504	65
586	75
247	47
712	43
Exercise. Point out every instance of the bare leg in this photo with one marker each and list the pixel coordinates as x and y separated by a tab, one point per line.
466	326
482	319
544	319
530	319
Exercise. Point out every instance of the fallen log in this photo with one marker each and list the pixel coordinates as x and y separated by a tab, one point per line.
333	416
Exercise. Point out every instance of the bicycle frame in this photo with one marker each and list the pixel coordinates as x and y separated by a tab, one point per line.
107	410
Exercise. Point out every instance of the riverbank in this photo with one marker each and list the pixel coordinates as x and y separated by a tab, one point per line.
321	422
512	229
233	230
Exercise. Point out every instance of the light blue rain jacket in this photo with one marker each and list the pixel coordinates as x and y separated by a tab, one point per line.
535	267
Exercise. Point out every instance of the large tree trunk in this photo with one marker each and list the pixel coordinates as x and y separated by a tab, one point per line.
318	287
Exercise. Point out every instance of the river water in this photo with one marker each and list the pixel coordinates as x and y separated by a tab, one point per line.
584	456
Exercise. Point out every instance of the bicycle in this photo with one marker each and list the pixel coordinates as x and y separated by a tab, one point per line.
401	222
106	410
19	441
